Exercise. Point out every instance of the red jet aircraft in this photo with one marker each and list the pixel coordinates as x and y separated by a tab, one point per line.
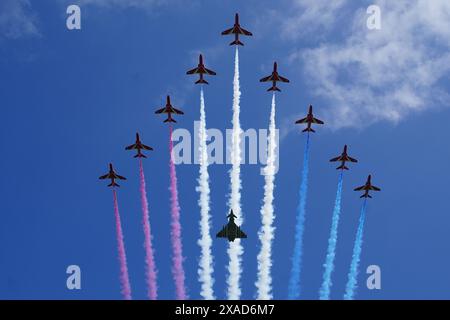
237	30
113	176
274	77
309	120
367	187
201	70
343	158
138	145
169	110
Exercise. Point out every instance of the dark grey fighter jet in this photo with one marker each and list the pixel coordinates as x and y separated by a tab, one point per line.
231	230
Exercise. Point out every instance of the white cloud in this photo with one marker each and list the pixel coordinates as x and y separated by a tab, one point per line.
311	16
387	74
17	19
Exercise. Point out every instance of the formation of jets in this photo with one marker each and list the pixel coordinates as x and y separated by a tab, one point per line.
169	109
231	231
274	78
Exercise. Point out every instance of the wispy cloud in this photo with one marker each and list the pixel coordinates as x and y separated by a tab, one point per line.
311	16
17	19
375	75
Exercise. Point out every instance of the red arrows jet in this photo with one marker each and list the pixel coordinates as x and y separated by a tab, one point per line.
344	157
169	110
237	30
309	120
138	145
113	176
201	70
274	77
367	187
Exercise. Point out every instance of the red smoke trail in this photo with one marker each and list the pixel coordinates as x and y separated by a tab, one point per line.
124	279
177	247
150	269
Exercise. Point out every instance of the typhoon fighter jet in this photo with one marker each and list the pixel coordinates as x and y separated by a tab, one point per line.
113	176
201	70
309	120
138	145
367	187
274	78
343	158
237	30
231	230
169	110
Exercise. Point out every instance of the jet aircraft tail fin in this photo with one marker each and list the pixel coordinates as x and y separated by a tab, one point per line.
236	42
201	81
140	155
274	88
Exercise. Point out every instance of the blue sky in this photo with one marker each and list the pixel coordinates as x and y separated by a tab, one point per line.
72	100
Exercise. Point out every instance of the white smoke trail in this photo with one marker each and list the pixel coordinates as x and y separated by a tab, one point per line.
266	234
205	270
325	289
294	287
235	249
350	289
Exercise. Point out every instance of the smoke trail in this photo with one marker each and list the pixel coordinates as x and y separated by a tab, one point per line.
294	281
235	249
150	270
177	247
266	234
124	279
331	251
353	273
205	271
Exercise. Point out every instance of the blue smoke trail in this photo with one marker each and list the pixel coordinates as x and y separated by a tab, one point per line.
294	281
353	273
332	241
